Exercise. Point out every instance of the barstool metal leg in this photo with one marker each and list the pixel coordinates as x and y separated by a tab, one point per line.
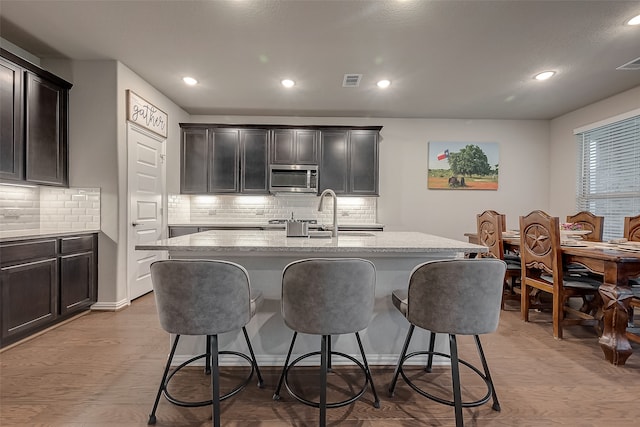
276	395
323	380
152	416
253	357
455	377
432	346
207	359
215	381
376	401
407	340
496	403
329	352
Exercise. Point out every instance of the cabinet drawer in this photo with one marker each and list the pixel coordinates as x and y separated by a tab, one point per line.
12	253
76	244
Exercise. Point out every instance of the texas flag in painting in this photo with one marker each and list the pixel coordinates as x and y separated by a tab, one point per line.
443	155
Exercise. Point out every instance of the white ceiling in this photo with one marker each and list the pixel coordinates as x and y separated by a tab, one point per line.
446	59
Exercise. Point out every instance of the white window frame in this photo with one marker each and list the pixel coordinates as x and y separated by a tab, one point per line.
608	178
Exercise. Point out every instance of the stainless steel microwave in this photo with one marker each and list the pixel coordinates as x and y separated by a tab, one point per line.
293	178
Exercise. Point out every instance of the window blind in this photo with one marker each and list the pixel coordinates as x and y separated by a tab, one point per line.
609	173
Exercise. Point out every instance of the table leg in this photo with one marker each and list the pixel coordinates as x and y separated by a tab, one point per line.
614	341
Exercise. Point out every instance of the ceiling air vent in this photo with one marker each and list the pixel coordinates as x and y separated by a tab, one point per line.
633	65
351	80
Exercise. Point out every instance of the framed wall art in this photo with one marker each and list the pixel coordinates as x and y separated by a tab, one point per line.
462	165
145	114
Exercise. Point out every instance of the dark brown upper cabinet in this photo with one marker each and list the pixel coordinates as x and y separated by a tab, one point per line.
349	161
11	141
294	147
234	159
221	160
33	123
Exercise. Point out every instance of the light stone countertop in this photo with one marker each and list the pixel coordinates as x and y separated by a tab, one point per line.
267	226
269	242
7	236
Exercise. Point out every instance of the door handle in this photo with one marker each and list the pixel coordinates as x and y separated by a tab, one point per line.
135	223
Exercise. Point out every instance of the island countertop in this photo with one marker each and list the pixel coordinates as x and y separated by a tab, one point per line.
273	241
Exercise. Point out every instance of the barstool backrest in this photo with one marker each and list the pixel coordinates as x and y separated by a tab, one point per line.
459	296
328	296
201	297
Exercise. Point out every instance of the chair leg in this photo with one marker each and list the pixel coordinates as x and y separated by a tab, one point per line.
407	340
455	377
215	382
524	302
432	346
485	366
323	380
207	359
276	395
376	401
152	416
253	358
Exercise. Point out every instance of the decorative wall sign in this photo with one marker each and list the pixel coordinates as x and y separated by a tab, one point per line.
463	165
145	114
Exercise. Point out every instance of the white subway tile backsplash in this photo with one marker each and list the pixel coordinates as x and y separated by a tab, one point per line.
256	209
50	208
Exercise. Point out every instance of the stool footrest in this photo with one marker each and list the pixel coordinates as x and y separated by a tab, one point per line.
472	404
194	404
345	402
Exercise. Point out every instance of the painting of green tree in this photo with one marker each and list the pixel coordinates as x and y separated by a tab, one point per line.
463	166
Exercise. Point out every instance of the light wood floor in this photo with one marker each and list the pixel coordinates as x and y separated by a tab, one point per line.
103	369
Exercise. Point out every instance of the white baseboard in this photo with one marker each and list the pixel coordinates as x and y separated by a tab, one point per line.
111	306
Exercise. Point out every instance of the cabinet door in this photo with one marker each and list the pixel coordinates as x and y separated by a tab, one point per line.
11	143
333	161
77	280
253	168
29	297
306	144
45	135
194	161
363	157
282	151
224	165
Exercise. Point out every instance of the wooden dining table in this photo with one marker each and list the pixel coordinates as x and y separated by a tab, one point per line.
616	265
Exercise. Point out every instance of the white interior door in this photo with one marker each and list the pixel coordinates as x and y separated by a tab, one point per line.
146	187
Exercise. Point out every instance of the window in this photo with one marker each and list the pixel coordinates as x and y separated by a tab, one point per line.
609	171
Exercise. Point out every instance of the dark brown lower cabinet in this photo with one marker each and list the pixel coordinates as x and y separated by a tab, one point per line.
45	281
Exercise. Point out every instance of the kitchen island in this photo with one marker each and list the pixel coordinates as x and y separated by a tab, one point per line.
265	254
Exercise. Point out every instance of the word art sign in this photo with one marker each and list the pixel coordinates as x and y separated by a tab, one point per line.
145	114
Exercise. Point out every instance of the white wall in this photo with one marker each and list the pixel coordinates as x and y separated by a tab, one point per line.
563	147
405	203
98	154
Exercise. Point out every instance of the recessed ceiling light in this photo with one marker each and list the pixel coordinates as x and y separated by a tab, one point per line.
288	83
634	21
383	84
190	81
545	75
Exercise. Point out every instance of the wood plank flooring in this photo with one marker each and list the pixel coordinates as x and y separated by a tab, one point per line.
103	369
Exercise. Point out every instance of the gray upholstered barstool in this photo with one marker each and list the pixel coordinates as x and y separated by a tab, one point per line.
203	297
455	297
327	297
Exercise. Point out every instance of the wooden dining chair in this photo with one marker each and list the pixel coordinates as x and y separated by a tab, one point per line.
542	269
632	228
590	222
490	228
632	234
